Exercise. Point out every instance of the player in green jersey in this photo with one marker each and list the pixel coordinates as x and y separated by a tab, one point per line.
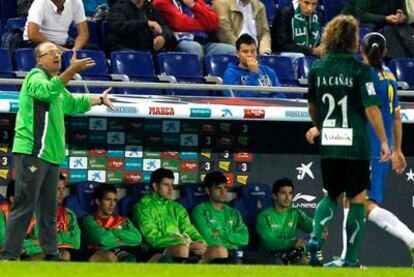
221	226
342	99
277	226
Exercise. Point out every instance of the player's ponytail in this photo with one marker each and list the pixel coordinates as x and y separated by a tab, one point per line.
374	45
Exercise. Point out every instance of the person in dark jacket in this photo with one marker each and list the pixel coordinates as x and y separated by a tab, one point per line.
136	25
297	29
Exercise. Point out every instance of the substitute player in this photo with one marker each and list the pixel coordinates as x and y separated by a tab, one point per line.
373	50
342	100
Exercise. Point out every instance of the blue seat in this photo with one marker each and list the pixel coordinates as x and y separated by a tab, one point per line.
304	65
99	72
332	8
215	65
15	23
185	67
254	198
134	194
270	10
103	34
283	66
25	59
191	195
80	199
6	70
8	9
125	62
403	70
94	41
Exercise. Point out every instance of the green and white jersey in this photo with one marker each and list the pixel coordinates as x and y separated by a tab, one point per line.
341	88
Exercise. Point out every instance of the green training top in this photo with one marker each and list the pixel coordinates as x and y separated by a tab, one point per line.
40	125
277	230
341	88
220	227
163	222
68	229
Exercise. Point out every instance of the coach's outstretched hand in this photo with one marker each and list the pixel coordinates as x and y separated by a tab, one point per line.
82	64
106	101
311	134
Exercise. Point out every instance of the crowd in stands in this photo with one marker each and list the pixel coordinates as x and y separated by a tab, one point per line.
205	27
160	229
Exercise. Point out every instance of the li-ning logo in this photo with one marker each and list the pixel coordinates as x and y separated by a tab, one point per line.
310	201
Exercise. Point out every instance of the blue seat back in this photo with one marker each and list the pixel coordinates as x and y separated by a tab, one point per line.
283	67
5	64
192	195
100	69
8	9
94	36
15	23
133	63
180	65
134	194
80	199
25	59
270	10
254	199
403	70
215	65
332	8
304	65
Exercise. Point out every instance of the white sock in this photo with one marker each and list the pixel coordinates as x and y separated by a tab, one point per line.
344	237
390	223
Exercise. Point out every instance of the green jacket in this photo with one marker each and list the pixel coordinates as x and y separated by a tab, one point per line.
40	125
109	233
227	224
68	229
277	231
163	222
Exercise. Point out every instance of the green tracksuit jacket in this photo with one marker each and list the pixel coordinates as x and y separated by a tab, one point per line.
220	227
277	230
40	126
68	229
109	233
163	222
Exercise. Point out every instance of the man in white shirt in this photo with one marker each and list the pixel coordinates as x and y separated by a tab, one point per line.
49	20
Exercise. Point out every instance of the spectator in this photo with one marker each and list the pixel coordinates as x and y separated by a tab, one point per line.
277	226
248	71
165	224
23	7
67	225
31	248
221	226
109	237
389	18
297	29
49	20
190	21
136	25
238	17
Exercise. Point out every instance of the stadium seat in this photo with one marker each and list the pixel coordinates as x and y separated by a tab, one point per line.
282	3
125	62
403	70
14	23
215	65
25	59
8	9
253	199
80	199
99	72
270	10
6	70
304	65
103	34
134	194
283	66
192	195
182	68
332	8
94	41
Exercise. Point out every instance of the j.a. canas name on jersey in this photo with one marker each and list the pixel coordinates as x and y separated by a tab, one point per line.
334	80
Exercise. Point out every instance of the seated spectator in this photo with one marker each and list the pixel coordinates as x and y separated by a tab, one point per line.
92	7
297	29
67	225
49	20
165	224
390	19
277	226
248	72
190	21
23	7
221	226
239	17
109	237
31	248
136	25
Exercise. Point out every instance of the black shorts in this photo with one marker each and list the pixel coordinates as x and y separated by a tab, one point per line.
349	176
